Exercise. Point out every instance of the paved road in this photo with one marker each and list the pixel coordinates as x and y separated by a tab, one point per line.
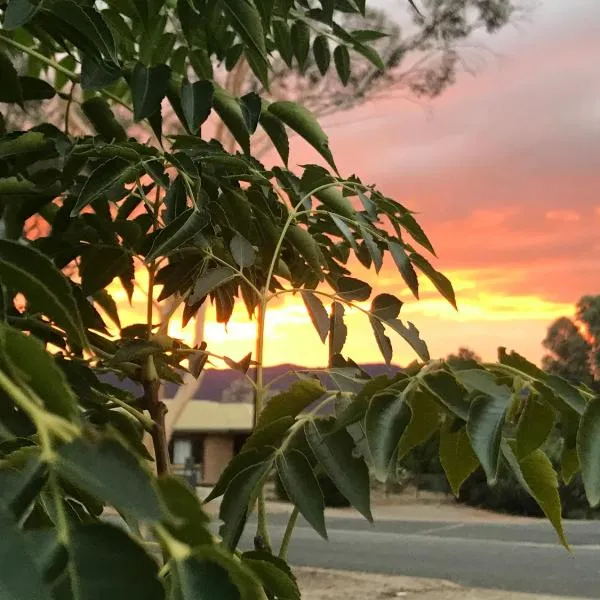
520	557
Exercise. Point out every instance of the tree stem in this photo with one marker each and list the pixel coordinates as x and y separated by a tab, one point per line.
287	536
262	529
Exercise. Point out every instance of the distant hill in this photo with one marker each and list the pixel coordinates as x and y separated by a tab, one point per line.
230	386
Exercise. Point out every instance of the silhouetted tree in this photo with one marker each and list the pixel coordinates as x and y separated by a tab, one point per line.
574	344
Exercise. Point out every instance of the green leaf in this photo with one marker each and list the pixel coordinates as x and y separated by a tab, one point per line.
456	456
196	101
569	464
410	224
352	289
441	282
383	341
19	487
240	462
251	105
37	370
209	281
322	53
405	267
341	58
18	13
243	251
335	453
105	177
386	420
306	244
239	499
386	306
11	86
412	336
537	476
317	181
49	554
269	435
300	36
283	41
19	576
47	290
180	231
317	313
233	56
448	391
175	199
148	88
424	421
368	35
109	472
99	266
98	111
291	402
36	89
230	111
569	393
274	574
245	20
588	451
483	381
97	74
337	329
89	23
181	501
302	487
486	419
107	563
534	427
304	123
31	141
275	129
345	230
199	578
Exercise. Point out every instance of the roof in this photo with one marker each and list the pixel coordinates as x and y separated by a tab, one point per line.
208	416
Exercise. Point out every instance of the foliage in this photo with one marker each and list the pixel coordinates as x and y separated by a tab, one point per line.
573	345
331	495
210	225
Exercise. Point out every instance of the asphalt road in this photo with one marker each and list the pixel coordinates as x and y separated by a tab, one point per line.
520	557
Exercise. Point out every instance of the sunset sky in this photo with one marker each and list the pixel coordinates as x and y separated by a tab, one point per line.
504	170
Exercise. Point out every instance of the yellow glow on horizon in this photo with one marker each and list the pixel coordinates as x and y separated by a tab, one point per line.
291	338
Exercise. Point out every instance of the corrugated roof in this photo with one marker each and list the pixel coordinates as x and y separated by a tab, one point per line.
206	415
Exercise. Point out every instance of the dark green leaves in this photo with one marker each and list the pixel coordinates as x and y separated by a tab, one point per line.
386	419
18	13
537	476
457	456
341	58
209	281
196	100
441	282
322	53
230	111
243	251
47	289
275	129
302	487
334	451
19	577
317	313
38	370
104	178
148	88
11	86
303	122
386	306
98	111
108	563
588	449
291	402
352	289
245	20
251	108
108	471
486	419
300	35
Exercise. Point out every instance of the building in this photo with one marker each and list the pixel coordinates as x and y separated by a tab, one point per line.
207	435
